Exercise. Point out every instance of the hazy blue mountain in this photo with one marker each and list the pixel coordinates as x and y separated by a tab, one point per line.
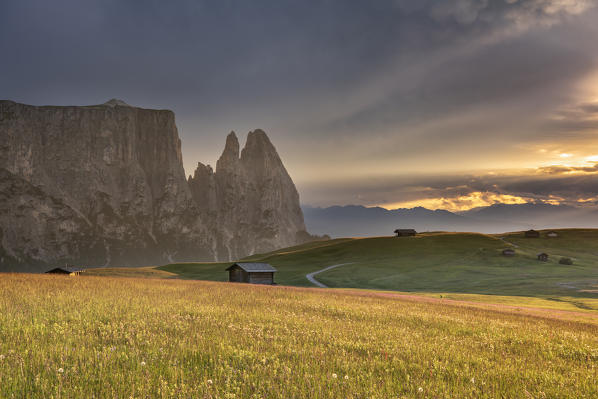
359	221
537	215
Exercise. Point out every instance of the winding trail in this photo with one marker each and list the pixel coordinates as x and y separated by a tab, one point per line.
311	278
507	242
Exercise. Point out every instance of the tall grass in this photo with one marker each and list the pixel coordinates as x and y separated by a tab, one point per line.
93	337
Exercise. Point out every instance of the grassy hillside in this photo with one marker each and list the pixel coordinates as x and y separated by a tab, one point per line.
75	337
440	263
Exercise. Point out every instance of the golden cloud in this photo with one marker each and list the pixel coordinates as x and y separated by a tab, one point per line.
462	202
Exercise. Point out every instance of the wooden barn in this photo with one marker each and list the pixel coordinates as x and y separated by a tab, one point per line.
253	273
405	232
508	252
532	234
71	271
543	257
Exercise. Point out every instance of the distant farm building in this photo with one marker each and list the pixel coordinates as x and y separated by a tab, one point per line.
508	252
543	257
552	234
253	273
532	234
71	271
405	232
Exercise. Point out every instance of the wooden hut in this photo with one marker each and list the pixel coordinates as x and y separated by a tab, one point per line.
253	273
552	234
543	257
532	234
508	252
405	232
71	271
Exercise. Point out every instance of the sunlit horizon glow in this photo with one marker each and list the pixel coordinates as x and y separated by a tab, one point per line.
459	203
477	200
462	197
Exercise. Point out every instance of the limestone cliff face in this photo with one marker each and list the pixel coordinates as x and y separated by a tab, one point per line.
112	173
105	185
251	199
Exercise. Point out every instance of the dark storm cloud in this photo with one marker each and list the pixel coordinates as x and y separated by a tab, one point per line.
570	188
579	118
214	53
484	58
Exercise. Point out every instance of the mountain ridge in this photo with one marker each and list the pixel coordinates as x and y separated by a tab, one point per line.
105	185
361	221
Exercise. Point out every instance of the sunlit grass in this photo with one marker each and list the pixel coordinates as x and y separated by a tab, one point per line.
83	337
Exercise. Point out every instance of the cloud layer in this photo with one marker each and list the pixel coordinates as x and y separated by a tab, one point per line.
348	90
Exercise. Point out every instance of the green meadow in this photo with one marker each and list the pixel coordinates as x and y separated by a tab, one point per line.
455	265
108	337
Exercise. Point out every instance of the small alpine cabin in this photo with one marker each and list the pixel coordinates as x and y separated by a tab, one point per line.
508	252
543	257
405	232
253	273
71	271
532	234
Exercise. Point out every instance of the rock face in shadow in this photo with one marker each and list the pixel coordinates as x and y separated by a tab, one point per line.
105	185
251	199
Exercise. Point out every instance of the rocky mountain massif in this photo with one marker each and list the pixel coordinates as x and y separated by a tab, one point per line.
105	185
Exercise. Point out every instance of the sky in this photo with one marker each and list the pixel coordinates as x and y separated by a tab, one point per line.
448	104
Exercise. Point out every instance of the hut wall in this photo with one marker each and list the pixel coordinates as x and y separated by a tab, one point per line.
261	278
405	234
238	275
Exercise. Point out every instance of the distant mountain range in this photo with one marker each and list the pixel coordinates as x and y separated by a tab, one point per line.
359	221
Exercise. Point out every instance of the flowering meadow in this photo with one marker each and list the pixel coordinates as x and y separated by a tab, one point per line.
103	337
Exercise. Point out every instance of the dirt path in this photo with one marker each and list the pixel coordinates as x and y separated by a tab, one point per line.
311	278
507	242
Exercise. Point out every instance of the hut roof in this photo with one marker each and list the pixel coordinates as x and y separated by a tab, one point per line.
405	231
542	254
253	267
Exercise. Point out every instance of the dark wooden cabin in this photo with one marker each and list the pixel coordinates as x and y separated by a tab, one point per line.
405	232
253	273
508	252
543	257
532	234
71	271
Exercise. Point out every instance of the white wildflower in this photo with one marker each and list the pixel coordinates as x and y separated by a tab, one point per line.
210	382
346	377
420	389
143	363
334	375
472	380
61	370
